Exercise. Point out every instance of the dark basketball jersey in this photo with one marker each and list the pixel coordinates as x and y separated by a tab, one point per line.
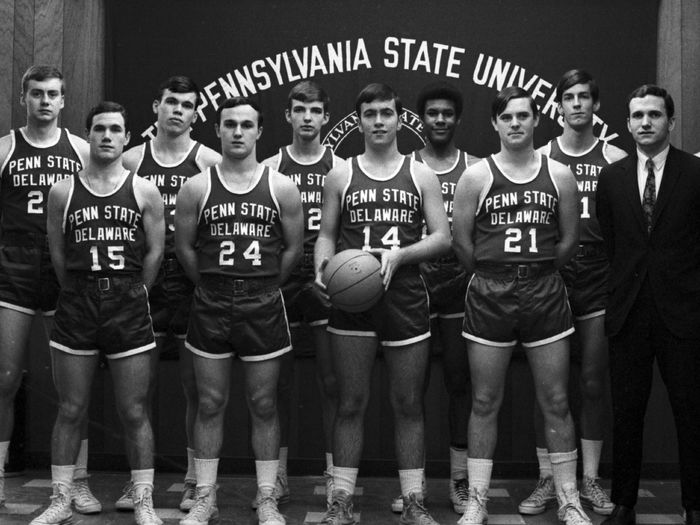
586	167
517	222
169	178
103	233
239	233
309	179
380	213
27	176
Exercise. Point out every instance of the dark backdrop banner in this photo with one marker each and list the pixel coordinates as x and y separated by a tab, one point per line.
262	48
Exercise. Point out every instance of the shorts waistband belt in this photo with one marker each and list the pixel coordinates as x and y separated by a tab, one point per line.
249	286
515	271
102	283
170	265
590	250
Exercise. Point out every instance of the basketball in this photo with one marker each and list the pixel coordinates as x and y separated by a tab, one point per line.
353	281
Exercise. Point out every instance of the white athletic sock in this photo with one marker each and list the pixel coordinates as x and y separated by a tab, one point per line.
564	470
266	474
205	471
62	474
190	475
458	463
544	463
81	461
411	481
591	450
142	478
479	471
284	452
4	447
345	478
329	461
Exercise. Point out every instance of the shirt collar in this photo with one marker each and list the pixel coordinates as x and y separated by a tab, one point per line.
659	159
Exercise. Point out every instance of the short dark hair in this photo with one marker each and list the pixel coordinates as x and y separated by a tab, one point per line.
239	101
504	96
577	76
40	73
377	91
654	90
106	107
440	90
308	91
180	84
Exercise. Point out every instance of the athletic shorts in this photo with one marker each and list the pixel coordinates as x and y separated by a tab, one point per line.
28	282
103	314
170	298
447	286
586	278
302	304
517	303
238	317
400	318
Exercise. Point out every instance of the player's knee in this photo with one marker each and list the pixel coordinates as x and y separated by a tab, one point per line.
555	403
71	412
134	413
263	406
486	403
211	404
592	386
10	379
351	406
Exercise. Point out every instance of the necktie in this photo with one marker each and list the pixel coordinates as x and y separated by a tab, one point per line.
649	197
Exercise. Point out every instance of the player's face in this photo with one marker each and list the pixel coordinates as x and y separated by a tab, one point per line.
176	112
379	122
307	119
649	123
239	131
107	137
439	121
516	124
577	106
43	99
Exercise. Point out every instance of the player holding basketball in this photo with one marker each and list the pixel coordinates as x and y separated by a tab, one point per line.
238	235
378	201
168	161
105	229
306	162
516	222
32	159
586	281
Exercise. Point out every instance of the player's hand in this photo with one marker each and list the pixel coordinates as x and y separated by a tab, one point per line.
391	260
320	288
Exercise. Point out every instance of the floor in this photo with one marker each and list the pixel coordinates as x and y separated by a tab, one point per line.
27	495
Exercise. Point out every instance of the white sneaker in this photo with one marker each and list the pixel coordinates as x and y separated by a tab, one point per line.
59	511
2	489
268	513
339	512
204	508
126	500
144	514
594	497
397	502
475	513
281	492
83	499
189	491
328	477
459	494
570	511
542	497
415	513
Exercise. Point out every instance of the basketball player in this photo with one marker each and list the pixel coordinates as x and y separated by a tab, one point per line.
585	277
306	162
32	158
515	223
238	235
169	160
106	234
378	202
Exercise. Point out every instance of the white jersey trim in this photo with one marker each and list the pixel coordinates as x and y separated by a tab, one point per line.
411	165
554	183
73	351
41	146
141	157
125	176
346	187
569	154
13	145
486	189
71	137
272	190
520	182
207	192
133	351
70	197
149	144
301	163
393	174
251	186
548	340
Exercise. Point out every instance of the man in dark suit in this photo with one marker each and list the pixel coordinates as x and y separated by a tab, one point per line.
649	213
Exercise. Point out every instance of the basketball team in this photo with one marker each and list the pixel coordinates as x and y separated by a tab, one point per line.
120	248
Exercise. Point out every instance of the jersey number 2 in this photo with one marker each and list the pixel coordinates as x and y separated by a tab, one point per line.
34	204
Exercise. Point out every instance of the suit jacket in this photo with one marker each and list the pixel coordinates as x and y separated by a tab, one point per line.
669	257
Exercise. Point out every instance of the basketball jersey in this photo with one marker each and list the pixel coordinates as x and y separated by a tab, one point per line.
27	176
239	234
103	233
309	179
586	167
169	178
517	221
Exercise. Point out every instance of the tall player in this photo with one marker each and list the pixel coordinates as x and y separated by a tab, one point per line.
168	161
378	202
105	229
585	277
515	223
238	236
306	162
32	159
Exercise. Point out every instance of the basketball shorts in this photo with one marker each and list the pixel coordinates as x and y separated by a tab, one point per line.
447	286
170	298
302	304
238	317
400	318
586	279
507	304
108	314
28	282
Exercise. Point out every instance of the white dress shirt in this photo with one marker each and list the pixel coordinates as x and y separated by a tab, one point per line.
659	163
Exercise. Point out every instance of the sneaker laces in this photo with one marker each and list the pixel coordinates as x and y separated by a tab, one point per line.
460	487
594	491
128	491
542	492
201	505
59	502
573	514
144	506
475	506
81	491
418	510
267	509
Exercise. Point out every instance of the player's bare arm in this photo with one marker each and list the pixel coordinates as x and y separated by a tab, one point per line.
470	187
189	199
292	218
613	153
569	213
207	157
55	211
132	157
273	161
82	147
151	204
5	146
